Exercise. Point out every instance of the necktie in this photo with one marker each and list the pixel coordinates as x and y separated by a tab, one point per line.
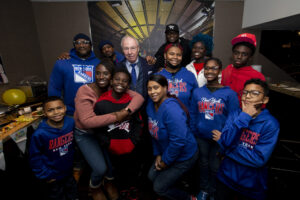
133	74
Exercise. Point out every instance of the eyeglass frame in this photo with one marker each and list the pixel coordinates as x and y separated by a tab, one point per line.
246	92
214	68
85	42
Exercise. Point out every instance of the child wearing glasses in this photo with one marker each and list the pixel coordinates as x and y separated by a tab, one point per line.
211	105
247	141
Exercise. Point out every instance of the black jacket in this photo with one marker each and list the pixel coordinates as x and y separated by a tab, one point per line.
186	57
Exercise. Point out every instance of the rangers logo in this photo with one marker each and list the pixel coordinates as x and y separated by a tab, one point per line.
63	150
176	86
210	107
83	73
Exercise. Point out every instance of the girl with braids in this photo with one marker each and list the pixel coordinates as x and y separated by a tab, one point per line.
174	146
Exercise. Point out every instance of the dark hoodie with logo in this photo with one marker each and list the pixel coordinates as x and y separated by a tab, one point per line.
51	150
120	137
68	75
247	144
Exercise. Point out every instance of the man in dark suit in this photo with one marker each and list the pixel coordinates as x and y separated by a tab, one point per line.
136	65
140	72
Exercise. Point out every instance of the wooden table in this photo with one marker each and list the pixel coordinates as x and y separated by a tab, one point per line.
6	135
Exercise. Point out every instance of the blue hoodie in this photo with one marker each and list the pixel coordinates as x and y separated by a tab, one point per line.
68	75
181	84
51	150
119	57
171	137
209	110
248	144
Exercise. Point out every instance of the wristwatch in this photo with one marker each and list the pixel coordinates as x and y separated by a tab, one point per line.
128	110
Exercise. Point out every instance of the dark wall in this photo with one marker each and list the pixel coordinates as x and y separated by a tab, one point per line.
19	46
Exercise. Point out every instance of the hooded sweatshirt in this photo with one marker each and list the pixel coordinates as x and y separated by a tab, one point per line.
209	110
236	78
181	84
171	136
68	75
120	137
248	144
51	150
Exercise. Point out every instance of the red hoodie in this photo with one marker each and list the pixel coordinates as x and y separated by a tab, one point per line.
236	78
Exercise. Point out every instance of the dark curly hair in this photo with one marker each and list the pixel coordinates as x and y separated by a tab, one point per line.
207	40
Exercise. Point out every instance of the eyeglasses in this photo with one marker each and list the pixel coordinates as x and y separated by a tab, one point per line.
253	93
85	42
214	68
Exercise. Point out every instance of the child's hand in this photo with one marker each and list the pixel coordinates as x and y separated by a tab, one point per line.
157	162
216	135
51	181
122	115
251	108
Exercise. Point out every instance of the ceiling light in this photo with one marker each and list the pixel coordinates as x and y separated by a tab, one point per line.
115	3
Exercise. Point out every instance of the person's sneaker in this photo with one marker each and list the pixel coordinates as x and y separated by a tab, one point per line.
202	195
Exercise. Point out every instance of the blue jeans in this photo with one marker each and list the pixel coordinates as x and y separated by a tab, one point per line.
164	181
208	164
95	156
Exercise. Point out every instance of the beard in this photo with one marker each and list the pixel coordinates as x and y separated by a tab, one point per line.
83	55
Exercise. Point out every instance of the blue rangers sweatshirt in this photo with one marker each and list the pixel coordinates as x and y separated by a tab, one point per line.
51	150
209	110
68	75
171	137
181	84
248	144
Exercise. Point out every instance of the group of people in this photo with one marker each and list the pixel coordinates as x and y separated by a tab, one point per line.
178	108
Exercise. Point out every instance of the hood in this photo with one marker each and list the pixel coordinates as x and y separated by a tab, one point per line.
263	115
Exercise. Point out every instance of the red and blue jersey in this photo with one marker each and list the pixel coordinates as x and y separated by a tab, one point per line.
209	110
181	84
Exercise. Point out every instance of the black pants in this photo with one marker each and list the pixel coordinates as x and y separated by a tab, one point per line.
64	189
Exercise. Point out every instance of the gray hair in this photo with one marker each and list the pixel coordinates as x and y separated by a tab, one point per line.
129	36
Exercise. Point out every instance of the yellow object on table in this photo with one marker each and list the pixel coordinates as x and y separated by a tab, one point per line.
16	126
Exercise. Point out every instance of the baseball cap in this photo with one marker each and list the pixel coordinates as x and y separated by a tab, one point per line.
172	27
244	37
